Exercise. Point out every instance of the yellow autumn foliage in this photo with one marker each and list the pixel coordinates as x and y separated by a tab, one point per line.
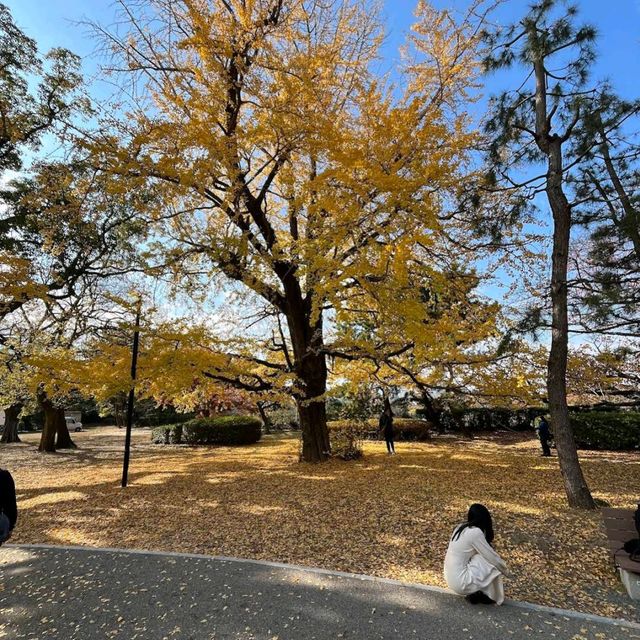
280	158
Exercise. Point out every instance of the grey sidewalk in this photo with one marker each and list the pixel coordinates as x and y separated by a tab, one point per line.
72	593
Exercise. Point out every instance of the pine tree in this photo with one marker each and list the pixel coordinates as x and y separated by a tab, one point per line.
536	125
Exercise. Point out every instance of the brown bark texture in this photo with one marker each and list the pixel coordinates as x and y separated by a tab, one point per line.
578	494
49	430
264	417
63	437
10	432
575	485
311	369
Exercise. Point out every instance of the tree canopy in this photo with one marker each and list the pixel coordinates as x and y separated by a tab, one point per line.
350	226
280	160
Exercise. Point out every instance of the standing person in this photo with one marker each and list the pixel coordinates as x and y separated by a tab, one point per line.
8	506
386	426
545	436
471	567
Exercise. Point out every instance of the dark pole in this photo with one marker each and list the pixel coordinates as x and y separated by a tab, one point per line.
134	362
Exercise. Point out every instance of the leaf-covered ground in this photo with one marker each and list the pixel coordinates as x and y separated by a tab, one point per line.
385	516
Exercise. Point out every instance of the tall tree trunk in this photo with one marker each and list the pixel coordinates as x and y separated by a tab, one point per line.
550	144
63	439
578	493
10	433
311	370
49	430
312	411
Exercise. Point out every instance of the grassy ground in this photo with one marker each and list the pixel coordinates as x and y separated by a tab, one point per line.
385	516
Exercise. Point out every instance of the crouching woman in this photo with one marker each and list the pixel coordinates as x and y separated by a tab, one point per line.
471	567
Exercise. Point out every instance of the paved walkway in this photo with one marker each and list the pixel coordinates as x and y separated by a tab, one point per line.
83	593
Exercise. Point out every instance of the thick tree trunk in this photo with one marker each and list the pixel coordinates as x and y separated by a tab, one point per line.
578	493
431	413
63	439
310	365
264	417
49	430
312	413
10	433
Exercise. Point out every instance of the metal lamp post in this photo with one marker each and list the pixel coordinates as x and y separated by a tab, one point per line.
134	363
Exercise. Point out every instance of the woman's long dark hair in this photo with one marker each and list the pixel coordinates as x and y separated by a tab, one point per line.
480	517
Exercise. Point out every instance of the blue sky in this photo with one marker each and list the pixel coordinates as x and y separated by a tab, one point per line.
54	23
617	22
51	23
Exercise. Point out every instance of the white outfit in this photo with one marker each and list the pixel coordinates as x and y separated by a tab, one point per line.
472	565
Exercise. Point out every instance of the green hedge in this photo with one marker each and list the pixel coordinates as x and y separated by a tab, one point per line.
223	430
614	430
411	430
167	434
489	419
405	429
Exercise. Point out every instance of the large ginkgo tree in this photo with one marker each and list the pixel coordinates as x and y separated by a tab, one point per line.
280	158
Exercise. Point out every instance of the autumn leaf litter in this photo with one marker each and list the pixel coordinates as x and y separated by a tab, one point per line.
383	516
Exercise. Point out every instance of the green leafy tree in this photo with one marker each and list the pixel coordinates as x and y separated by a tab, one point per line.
533	148
607	186
38	96
27	111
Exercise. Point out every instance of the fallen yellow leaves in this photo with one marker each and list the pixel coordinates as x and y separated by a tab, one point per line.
383	515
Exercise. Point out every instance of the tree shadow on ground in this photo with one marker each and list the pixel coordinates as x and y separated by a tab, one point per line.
382	515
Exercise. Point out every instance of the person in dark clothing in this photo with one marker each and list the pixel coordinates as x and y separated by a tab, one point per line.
8	506
632	546
545	436
386	426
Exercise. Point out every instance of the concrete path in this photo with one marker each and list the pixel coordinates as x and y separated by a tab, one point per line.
83	593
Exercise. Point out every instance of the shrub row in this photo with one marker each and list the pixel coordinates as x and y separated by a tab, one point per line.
487	419
593	429
614	430
407	429
167	434
223	430
410	429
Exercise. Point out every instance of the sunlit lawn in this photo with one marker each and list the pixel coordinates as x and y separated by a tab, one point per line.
386	516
